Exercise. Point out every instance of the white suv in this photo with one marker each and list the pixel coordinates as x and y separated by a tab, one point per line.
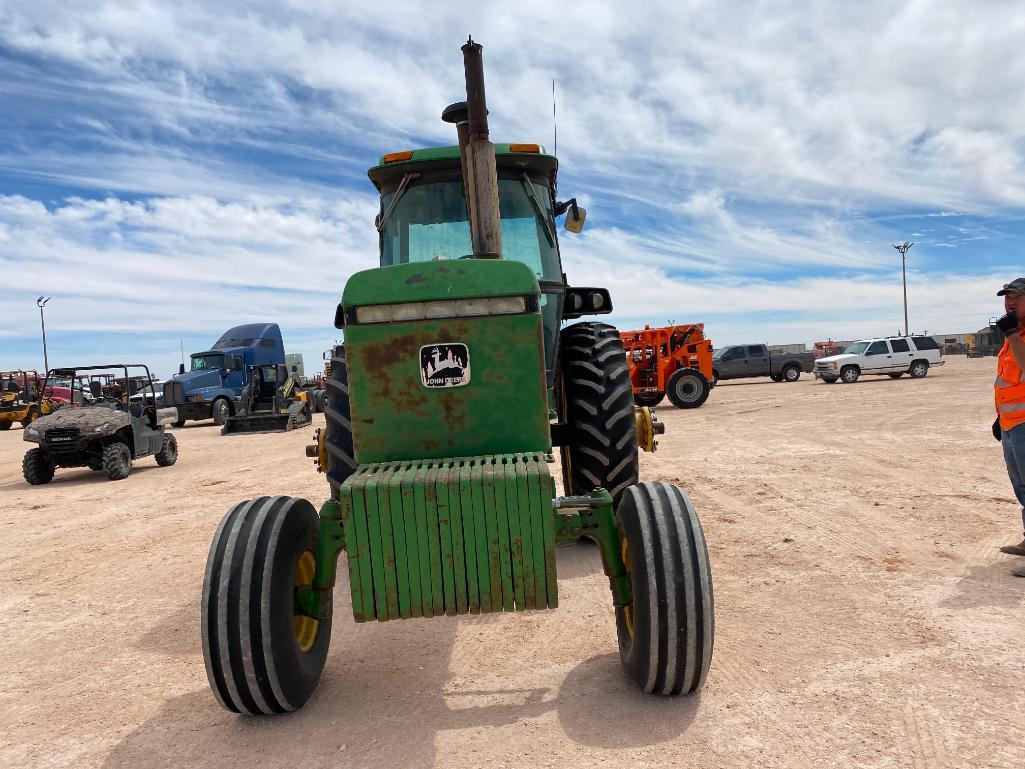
894	356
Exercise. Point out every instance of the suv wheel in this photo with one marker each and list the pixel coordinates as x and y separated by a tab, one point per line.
918	369
849	374
37	467
117	461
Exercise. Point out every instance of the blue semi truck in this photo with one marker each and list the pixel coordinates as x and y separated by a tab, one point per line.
211	388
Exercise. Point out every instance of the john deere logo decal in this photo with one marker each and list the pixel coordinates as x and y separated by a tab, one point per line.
444	365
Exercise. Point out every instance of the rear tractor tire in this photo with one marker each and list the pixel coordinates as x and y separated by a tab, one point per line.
341	454
168	453
688	388
648	399
117	461
667	632
37	467
598	406
262	657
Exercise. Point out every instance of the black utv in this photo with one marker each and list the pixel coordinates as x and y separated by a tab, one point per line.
120	424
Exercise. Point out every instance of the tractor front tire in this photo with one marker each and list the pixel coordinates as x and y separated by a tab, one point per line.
168	453
262	657
599	409
220	411
667	632
37	467
117	461
341	454
648	399
688	388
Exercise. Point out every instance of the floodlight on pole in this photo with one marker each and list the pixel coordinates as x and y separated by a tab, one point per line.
903	248
40	302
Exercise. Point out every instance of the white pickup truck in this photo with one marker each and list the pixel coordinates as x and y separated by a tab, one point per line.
894	356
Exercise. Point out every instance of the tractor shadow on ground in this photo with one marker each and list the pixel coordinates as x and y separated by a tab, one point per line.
386	694
580	558
988	585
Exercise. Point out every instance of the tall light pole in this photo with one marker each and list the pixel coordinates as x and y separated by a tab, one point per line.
42	322
903	248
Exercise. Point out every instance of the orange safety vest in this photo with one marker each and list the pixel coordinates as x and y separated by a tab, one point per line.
1009	388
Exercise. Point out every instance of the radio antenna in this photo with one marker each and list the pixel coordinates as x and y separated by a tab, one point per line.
555	124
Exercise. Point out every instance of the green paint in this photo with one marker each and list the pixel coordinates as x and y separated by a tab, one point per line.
375	494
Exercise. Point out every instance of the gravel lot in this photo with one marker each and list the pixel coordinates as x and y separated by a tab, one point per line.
864	614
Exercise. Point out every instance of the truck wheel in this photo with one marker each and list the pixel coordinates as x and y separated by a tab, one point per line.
341	454
168	453
117	461
776	377
715	378
648	399
791	373
849	374
666	633
687	388
37	467
598	406
896	375
220	411
919	369
261	655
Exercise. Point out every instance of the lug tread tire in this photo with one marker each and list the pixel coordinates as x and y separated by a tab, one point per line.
253	660
600	410
670	650
168	453
341	453
37	467
701	382
117	461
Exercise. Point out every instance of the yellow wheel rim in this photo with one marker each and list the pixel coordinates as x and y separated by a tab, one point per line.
305	627
628	610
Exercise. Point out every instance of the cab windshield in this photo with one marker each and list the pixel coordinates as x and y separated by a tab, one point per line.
207	362
857	348
428	223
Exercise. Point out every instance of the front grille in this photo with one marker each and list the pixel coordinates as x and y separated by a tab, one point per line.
173	393
64	436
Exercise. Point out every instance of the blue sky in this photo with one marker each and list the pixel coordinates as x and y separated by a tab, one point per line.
170	170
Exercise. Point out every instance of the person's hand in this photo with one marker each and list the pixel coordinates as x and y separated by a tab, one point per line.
1008	323
996	428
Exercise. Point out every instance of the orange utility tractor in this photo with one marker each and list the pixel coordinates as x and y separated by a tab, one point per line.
827	348
674	361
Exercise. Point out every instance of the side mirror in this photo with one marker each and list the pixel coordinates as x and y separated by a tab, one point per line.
339	316
575	215
181	368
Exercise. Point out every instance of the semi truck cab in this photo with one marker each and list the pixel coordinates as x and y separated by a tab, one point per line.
212	386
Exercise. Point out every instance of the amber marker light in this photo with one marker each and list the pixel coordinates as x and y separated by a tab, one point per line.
395	157
535	148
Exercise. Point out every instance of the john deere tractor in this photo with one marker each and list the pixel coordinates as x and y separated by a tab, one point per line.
453	385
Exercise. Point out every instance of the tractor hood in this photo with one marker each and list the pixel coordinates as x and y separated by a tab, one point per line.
99	420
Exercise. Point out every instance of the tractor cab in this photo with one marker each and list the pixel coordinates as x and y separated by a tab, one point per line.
424	218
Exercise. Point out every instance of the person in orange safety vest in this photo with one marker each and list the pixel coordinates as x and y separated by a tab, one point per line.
1009	393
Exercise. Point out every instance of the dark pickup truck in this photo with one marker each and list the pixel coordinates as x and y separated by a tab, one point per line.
749	360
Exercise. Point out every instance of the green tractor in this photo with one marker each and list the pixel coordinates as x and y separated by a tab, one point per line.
453	385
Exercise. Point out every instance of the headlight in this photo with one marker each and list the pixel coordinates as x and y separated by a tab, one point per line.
833	365
33	432
101	428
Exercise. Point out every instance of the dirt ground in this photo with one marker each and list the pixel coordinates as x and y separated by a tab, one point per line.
864	616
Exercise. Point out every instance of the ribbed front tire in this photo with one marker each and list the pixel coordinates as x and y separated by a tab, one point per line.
666	634
261	656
